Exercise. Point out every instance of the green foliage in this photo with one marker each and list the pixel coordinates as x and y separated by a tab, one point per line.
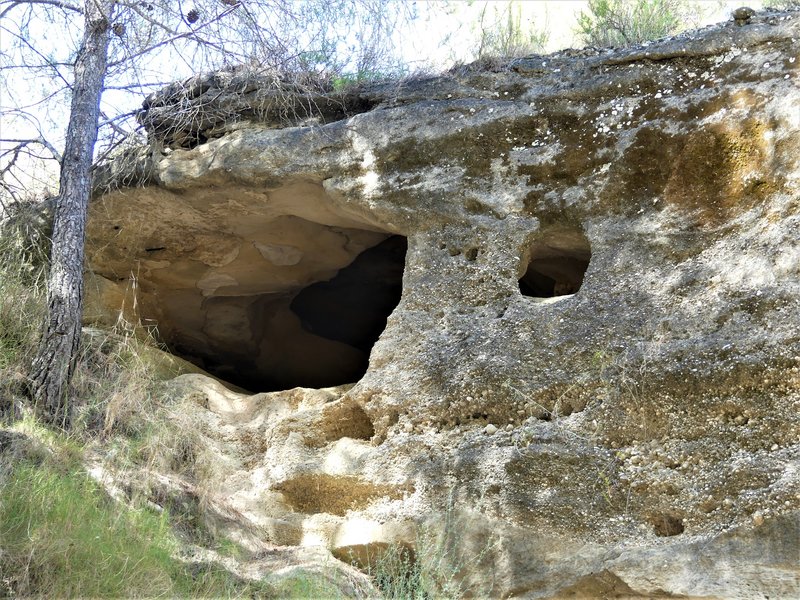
503	33
438	566
626	22
305	585
399	575
346	80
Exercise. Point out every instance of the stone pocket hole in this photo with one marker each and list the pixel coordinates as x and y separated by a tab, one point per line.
321	493
341	420
555	263
666	525
391	559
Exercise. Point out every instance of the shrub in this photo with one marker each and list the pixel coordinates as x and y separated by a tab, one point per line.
626	22
503	33
438	566
23	262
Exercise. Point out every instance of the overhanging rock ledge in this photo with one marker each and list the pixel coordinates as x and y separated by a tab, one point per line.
566	288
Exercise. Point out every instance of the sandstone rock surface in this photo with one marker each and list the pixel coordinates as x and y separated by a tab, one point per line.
597	254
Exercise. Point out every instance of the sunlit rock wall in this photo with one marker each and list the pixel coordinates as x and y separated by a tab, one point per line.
592	360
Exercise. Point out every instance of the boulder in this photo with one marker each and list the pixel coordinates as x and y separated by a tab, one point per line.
595	252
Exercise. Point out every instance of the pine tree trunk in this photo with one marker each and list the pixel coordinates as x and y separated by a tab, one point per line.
54	363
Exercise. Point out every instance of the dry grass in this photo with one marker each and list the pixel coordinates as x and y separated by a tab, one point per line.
61	534
24	247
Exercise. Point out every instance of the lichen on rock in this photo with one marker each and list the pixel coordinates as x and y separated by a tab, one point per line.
594	252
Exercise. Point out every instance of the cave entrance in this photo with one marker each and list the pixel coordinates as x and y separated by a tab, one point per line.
555	263
352	308
315	336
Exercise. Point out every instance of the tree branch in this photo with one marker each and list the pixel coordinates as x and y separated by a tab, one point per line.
111	122
12	4
51	64
40	140
23	109
144	16
188	34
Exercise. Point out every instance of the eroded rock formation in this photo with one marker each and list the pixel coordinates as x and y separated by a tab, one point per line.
581	276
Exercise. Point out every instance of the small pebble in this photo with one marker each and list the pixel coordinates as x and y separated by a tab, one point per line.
774	447
490	429
408	427
758	518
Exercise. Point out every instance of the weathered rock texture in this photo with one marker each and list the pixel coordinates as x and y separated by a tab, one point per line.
588	265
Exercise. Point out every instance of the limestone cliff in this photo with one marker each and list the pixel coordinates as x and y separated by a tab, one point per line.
566	289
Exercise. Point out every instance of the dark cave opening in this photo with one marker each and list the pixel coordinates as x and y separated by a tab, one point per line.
352	308
556	263
318	336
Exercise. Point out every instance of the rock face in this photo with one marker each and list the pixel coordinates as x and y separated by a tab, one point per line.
566	290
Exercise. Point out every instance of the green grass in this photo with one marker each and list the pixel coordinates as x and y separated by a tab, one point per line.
58	531
62	536
400	576
305	586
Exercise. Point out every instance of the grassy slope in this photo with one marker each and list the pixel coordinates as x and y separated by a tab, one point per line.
61	535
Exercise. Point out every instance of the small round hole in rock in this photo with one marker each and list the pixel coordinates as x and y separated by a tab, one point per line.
555	263
666	525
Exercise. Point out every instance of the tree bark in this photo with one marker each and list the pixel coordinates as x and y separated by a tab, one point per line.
54	364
